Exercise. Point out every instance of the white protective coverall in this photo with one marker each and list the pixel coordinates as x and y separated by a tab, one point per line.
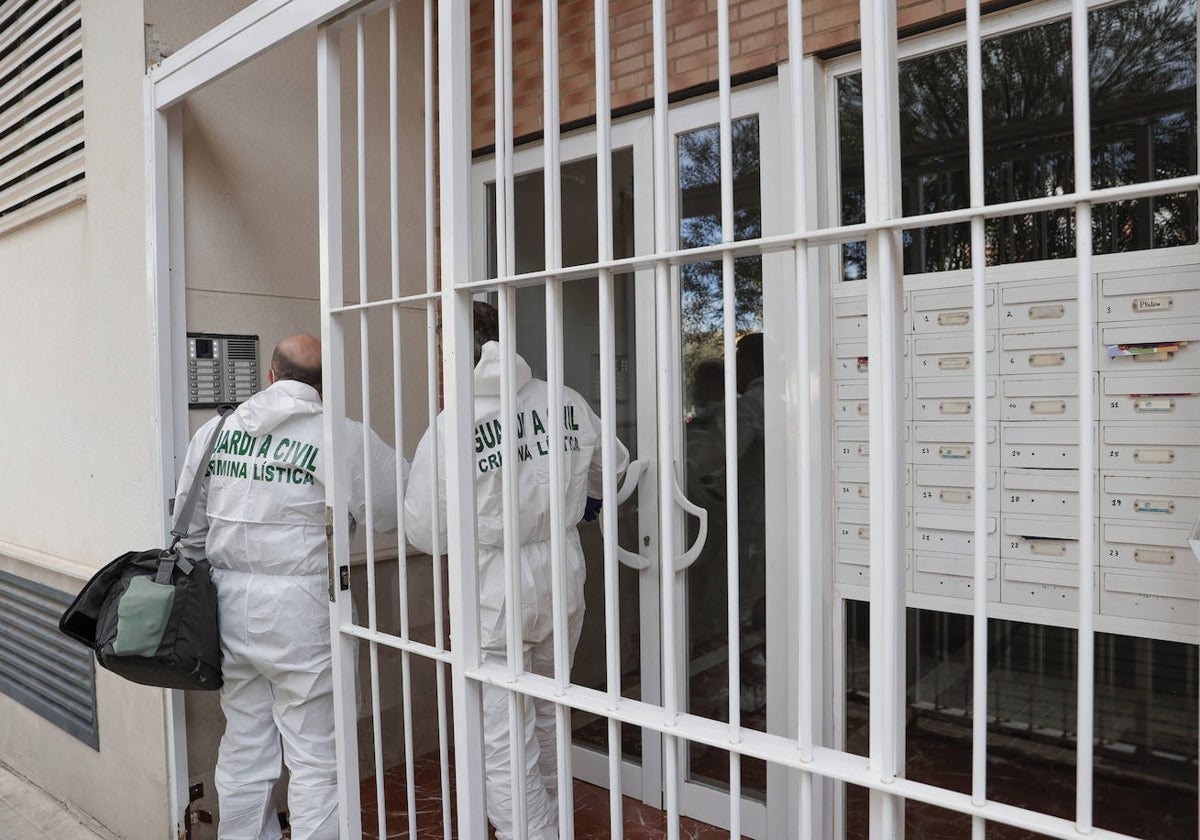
583	473
260	521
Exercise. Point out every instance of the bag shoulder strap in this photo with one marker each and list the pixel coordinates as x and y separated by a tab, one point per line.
183	513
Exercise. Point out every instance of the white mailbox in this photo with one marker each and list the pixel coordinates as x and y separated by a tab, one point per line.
1150	396
1052	539
952	576
952	444
1039	303
850	358
1025	398
854	400
1151	597
853	567
852	484
852	443
1150	295
1047	585
1151	498
850	316
950	309
1040	445
1165	447
949	398
950	355
1042	352
947	532
1150	346
951	488
853	525
1159	548
1041	492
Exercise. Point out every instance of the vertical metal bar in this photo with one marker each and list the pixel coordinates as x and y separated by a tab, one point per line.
885	349
365	398
1087	417
398	408
552	221
729	341
512	562
454	123
431	356
666	421
979	650
329	181
606	302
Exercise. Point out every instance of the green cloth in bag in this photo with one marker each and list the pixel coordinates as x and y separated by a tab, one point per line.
141	617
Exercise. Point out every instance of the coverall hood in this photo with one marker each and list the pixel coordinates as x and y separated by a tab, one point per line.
286	398
487	372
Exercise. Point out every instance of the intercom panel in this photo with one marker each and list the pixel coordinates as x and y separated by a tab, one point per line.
222	369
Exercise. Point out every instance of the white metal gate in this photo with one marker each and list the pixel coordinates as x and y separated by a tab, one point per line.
385	326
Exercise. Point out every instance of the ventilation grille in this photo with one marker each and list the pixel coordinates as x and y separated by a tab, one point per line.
41	109
41	668
242	349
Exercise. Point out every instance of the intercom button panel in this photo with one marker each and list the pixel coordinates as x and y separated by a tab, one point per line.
952	354
950	398
1148	548
952	576
1172	448
1149	296
952	488
951	532
1150	347
850	360
1150	498
950	310
1034	398
952	444
1040	445
1039	304
222	369
1043	585
1041	352
1041	492
1153	597
1133	395
1045	539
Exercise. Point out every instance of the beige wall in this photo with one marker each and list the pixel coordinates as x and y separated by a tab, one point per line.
78	451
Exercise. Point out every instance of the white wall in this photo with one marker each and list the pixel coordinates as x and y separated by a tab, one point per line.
78	451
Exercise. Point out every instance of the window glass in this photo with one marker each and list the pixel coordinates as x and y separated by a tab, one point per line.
1142	58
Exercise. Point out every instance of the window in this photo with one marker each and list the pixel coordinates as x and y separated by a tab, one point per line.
1143	126
41	109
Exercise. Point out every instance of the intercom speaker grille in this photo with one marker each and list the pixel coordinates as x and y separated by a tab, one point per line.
242	349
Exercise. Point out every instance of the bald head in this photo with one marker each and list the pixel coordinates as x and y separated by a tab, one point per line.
298	357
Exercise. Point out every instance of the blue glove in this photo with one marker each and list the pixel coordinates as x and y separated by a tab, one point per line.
591	509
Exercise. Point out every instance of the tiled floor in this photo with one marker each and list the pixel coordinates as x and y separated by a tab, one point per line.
591	810
29	813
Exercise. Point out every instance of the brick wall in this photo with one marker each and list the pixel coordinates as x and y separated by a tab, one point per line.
758	39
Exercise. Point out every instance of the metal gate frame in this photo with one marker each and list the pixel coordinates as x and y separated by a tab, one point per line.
267	22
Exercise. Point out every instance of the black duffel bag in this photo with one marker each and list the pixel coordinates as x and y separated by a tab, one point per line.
151	616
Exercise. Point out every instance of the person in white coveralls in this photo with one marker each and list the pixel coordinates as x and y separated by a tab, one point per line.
260	521
583	488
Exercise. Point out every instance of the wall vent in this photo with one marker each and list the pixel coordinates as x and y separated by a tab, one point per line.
41	668
41	109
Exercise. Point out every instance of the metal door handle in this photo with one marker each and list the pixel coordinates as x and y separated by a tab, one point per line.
633	474
689	557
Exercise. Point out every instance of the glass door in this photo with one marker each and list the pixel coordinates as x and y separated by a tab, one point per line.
705	455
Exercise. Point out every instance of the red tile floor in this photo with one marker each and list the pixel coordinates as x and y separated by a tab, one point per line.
591	810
